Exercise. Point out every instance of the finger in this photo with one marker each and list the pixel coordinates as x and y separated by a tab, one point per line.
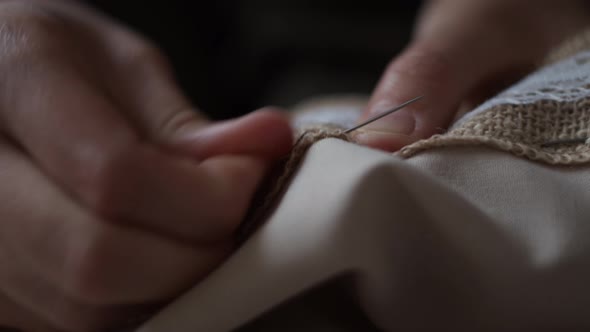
191	201
80	140
66	265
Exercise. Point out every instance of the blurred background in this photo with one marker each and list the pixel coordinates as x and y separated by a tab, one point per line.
233	56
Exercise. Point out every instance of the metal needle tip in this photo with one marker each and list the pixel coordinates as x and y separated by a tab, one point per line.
382	115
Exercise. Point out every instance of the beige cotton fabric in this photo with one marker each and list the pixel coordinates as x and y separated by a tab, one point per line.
484	228
470	239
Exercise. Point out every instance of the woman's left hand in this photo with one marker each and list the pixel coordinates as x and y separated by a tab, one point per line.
463	52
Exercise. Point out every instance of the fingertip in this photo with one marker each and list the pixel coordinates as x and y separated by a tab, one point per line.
265	134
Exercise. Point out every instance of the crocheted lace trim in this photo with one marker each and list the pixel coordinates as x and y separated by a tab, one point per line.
547	130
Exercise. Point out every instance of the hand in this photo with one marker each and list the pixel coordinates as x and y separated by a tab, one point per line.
114	193
463	52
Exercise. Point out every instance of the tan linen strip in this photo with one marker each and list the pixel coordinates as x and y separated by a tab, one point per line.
280	179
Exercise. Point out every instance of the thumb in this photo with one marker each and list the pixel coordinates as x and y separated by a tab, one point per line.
419	71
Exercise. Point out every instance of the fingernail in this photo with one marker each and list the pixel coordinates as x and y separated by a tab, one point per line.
401	122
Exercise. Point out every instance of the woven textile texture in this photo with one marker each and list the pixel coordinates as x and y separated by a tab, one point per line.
545	117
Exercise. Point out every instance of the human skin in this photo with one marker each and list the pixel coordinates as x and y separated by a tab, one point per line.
115	194
462	52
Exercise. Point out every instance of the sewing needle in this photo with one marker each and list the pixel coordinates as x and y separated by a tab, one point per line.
382	115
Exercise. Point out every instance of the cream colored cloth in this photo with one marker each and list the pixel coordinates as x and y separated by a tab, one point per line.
484	228
468	239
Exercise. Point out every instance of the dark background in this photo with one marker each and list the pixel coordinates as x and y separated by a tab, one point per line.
234	56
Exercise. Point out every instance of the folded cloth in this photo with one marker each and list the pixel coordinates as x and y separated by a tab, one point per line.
478	229
462	239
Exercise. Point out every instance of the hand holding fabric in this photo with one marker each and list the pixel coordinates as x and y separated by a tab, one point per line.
463	52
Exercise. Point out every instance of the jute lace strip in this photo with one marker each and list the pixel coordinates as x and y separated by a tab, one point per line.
523	130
